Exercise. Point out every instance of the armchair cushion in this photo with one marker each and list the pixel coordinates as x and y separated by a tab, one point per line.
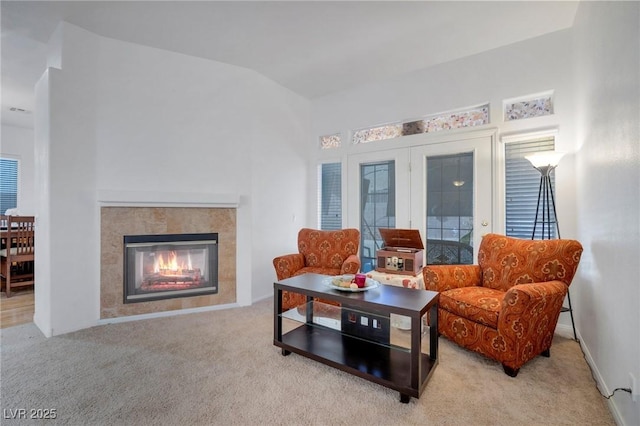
508	305
479	304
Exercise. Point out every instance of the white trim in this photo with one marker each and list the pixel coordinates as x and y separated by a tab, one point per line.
104	321
108	198
601	386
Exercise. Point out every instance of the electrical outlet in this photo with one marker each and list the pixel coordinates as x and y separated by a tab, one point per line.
635	392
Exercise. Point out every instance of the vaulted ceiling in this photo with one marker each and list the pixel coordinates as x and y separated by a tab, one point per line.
311	47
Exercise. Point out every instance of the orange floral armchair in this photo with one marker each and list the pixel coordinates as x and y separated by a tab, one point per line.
320	252
507	306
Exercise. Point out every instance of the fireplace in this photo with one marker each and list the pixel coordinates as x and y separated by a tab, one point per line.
167	266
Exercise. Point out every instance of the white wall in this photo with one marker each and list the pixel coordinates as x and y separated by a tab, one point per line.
125	117
17	143
67	295
278	173
531	66
607	70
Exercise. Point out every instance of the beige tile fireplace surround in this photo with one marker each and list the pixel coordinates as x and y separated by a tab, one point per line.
116	222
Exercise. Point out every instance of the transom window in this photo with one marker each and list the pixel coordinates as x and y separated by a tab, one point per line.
468	117
529	106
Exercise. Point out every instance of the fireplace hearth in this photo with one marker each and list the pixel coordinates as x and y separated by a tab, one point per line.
166	266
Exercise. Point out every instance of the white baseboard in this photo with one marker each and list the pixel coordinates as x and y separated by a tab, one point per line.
163	314
601	385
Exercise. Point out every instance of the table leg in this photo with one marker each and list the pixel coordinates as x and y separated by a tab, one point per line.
433	332
277	307
309	309
416	351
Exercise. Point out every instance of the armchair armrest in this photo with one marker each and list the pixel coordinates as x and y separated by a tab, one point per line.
288	264
528	317
351	265
533	297
446	277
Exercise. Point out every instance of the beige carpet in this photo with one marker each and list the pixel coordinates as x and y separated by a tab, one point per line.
221	368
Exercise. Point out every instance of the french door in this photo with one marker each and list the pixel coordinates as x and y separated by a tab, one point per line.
378	194
443	189
452	198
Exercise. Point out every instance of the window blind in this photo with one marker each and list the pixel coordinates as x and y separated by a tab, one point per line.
522	183
8	184
330	202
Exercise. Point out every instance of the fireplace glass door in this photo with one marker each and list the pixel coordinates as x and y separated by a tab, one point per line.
167	266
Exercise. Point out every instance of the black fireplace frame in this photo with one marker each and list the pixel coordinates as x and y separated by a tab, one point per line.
130	295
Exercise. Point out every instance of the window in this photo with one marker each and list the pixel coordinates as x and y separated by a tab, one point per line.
377	207
450	209
467	117
8	184
529	106
330	192
379	133
522	183
330	141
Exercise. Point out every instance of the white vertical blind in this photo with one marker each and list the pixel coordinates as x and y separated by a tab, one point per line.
330	196
522	183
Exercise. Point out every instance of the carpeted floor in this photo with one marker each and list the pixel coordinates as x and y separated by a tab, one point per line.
221	367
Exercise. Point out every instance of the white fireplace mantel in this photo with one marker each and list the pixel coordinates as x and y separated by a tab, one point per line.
109	198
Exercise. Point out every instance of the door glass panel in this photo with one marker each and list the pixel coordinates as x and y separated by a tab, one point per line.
377	207
449	209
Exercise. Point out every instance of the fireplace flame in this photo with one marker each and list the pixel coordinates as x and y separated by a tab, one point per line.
171	263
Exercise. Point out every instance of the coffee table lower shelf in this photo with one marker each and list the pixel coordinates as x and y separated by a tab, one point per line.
385	365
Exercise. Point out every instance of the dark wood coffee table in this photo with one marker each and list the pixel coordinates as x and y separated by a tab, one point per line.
360	345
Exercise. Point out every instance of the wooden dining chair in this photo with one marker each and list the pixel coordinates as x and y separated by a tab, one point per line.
17	252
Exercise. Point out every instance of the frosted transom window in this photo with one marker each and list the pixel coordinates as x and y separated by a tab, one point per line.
475	116
538	106
455	120
380	133
330	141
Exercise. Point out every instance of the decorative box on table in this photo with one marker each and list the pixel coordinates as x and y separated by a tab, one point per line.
402	253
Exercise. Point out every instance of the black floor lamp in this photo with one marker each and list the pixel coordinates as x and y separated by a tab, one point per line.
546	215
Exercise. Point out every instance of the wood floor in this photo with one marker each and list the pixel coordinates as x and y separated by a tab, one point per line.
18	309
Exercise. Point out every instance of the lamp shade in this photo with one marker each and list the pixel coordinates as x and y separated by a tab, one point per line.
545	158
